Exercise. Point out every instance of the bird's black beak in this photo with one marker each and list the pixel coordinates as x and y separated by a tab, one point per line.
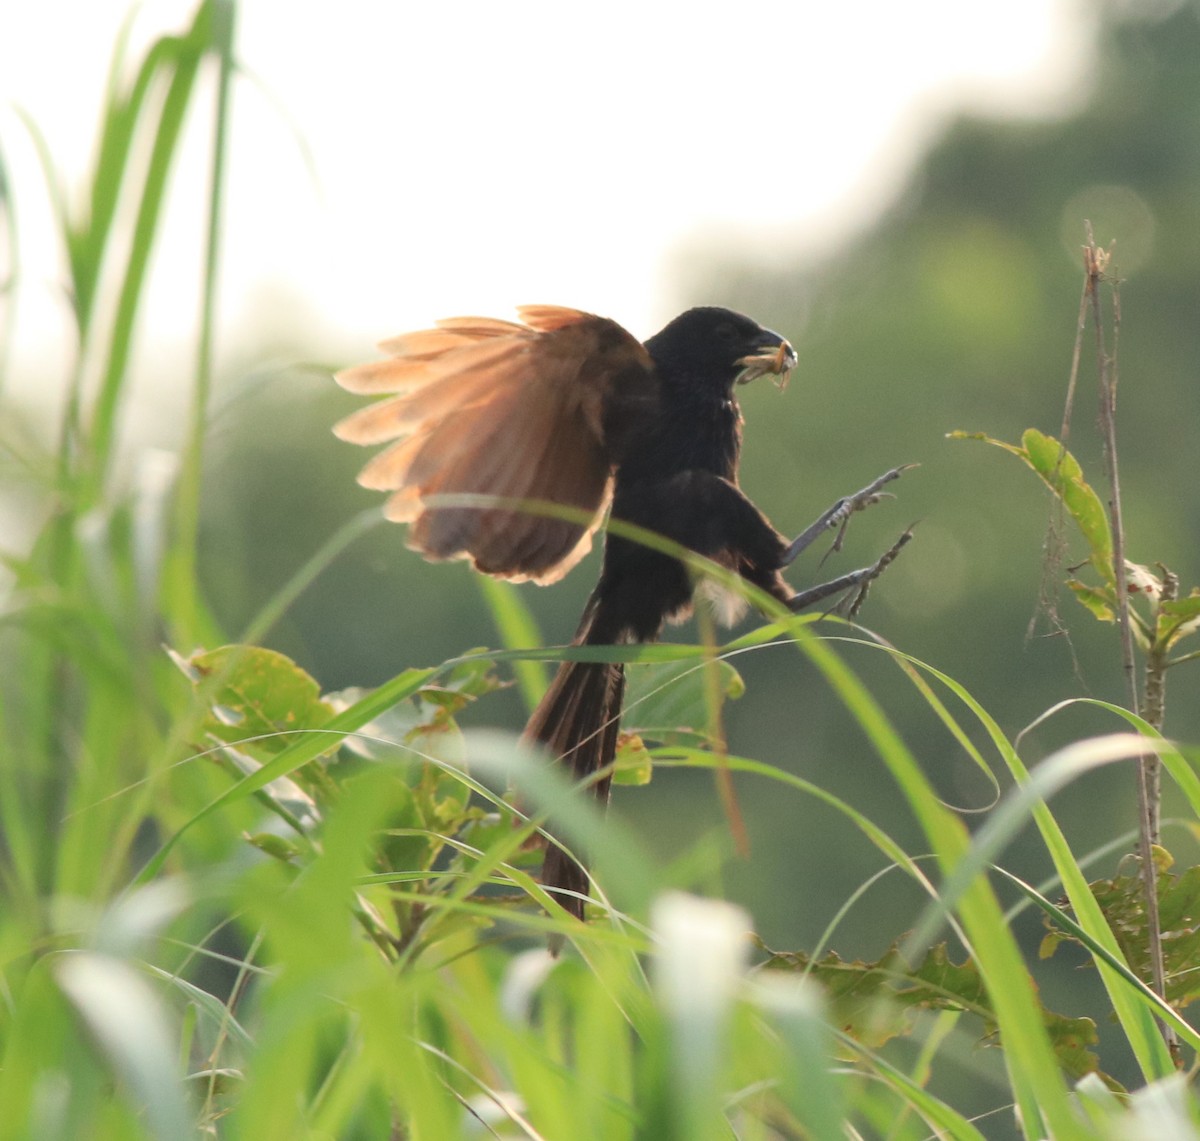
772	355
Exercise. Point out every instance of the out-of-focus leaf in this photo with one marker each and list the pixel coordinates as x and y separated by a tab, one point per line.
668	701
518	629
1141	579
634	763
1122	900
1098	599
276	846
699	966
809	1085
261	693
133	1033
1179	617
874	1001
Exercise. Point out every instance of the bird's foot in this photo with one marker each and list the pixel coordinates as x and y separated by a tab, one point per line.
855	584
839	515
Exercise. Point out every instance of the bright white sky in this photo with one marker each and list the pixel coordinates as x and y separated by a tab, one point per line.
473	156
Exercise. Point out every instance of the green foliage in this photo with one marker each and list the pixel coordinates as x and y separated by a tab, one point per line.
1061	473
239	906
257	694
1122	900
875	1001
1169	618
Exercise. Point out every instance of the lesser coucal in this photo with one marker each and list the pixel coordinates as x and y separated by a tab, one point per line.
570	409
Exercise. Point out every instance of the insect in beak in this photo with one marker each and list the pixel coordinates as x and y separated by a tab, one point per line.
778	361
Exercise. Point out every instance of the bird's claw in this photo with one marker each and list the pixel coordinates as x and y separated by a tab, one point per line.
839	514
855	584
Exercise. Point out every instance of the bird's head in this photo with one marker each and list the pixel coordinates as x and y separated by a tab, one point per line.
728	347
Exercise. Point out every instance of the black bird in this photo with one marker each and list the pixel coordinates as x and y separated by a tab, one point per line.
569	409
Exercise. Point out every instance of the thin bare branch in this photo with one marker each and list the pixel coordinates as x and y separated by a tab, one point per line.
1054	544
1096	263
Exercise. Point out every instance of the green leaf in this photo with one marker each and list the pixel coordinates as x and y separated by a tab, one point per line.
1178	618
424	722
1098	599
517	628
1122	900
259	693
634	764
668	701
1062	474
132	1030
874	1001
1060	471
276	846
458	687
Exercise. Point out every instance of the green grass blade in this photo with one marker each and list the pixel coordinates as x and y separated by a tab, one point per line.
1164	1011
517	629
131	1028
310	746
1136	1020
181	57
1038	1084
180	598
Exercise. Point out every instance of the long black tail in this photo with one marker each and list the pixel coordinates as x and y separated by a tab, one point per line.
578	722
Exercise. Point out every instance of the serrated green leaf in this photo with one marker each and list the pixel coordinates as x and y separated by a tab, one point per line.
873	1001
1122	900
260	693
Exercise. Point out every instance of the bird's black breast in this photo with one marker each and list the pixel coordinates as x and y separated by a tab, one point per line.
641	588
702	432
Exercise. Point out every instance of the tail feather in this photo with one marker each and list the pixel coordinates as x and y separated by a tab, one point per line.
578	722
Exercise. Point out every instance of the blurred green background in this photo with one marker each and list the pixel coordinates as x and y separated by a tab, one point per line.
956	310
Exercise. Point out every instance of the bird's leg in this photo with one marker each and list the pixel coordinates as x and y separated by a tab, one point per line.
856	583
839	515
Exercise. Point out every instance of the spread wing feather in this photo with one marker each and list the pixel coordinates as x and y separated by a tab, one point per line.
482	407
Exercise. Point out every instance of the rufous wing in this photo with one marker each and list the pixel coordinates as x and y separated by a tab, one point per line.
514	412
